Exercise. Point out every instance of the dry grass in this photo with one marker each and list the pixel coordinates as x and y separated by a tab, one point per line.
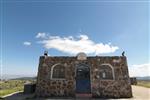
144	83
10	86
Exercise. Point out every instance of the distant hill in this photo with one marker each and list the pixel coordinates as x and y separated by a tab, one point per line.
146	78
24	78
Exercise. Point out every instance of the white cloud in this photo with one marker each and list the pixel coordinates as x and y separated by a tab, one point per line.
41	35
26	43
139	70
74	45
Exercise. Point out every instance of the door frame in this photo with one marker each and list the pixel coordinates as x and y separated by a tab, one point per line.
76	67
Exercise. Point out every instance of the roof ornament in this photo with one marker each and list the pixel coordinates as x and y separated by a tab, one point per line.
123	53
45	53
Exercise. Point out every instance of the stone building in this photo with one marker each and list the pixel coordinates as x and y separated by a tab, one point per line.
81	75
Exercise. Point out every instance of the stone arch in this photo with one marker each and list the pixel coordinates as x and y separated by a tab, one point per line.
57	71
82	66
106	71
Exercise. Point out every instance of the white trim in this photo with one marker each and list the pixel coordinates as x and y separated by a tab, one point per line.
111	68
52	68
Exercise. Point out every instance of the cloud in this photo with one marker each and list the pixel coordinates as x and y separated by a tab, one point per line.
74	45
139	70
26	43
41	35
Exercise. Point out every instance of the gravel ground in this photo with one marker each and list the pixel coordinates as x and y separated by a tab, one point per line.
139	93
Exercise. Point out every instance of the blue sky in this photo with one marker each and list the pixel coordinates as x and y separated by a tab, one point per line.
124	24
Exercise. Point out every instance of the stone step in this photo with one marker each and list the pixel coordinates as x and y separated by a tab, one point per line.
83	95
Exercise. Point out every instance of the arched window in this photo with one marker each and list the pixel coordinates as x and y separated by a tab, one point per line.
106	71
58	71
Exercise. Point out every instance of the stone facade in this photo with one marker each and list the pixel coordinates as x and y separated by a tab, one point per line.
113	82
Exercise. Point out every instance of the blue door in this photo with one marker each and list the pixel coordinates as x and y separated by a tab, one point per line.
83	79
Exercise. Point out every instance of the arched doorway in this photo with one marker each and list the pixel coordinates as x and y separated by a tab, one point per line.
83	79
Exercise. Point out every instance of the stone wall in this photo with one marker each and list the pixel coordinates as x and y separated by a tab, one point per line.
51	87
116	88
120	86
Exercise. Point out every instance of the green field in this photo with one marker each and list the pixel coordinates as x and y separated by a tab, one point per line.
10	86
143	83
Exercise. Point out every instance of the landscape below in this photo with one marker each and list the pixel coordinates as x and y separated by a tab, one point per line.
17	84
14	85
